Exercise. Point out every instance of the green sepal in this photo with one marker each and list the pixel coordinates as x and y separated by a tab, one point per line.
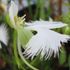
8	21
24	35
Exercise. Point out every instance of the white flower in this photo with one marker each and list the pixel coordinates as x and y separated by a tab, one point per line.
46	41
3	34
13	11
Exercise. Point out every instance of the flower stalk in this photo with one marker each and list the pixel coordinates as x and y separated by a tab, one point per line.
23	58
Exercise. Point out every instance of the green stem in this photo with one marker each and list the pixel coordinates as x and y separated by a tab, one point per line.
37	9
30	9
40	10
15	50
22	57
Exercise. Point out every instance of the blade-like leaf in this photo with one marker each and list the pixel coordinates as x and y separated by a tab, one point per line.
69	61
0	46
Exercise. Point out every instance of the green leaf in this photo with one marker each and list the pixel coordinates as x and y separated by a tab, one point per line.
62	57
0	46
16	57
24	35
67	30
66	18
69	61
36	61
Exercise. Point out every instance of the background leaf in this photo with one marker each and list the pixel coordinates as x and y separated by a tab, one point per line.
62	56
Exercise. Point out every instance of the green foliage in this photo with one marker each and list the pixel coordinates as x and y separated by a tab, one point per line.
40	12
66	19
62	56
69	61
0	46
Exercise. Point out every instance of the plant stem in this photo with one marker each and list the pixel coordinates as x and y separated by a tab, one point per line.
22	57
15	50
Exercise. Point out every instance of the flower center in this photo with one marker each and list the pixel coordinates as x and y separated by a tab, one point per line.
19	20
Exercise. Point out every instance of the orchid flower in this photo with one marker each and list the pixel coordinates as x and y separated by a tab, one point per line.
20	33
18	23
4	34
46	41
13	11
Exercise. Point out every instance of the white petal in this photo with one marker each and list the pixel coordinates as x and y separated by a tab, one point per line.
45	41
3	34
46	24
13	10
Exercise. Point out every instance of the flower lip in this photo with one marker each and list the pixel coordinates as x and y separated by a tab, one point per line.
46	41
